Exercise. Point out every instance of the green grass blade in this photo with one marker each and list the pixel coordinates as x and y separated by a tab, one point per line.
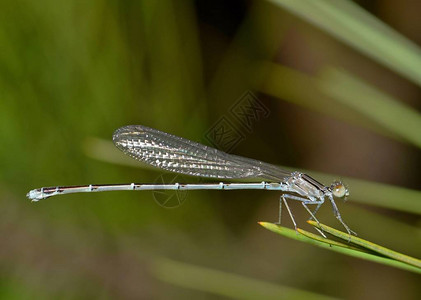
373	103
384	195
360	30
223	283
369	245
345	97
330	242
351	252
285	83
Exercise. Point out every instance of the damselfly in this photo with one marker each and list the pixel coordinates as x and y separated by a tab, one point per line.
176	154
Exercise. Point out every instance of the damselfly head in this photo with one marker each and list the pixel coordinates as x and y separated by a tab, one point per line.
339	190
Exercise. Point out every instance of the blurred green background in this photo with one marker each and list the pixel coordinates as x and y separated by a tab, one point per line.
342	90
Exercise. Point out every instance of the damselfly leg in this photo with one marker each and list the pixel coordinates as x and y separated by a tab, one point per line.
338	216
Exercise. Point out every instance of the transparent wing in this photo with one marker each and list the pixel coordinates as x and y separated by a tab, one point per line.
176	154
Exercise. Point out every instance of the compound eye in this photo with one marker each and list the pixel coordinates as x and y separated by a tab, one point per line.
339	190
